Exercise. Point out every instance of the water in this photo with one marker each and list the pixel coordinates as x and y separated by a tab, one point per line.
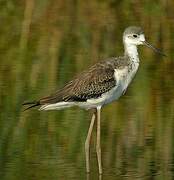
43	44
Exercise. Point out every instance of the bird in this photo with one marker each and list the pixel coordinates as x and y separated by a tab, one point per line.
101	84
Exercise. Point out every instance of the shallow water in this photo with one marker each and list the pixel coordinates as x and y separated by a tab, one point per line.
43	44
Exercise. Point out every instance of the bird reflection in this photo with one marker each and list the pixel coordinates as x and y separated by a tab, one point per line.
88	176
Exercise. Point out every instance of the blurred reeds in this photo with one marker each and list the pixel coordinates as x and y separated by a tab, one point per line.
43	44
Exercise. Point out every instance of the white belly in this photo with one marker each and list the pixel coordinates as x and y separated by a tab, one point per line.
123	78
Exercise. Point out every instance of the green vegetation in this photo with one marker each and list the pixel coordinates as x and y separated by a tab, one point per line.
43	44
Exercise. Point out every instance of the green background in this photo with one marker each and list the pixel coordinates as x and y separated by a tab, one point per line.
43	44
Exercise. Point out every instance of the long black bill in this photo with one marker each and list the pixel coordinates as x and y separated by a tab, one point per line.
155	49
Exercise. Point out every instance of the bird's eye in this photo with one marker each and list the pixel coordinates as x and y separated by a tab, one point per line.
135	36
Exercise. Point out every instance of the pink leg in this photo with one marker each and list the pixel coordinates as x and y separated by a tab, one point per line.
87	142
98	146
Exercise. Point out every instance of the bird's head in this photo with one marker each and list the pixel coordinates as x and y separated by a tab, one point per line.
134	35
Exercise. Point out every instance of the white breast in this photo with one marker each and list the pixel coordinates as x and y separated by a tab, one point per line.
124	77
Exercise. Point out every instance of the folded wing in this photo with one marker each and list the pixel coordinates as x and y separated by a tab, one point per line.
89	84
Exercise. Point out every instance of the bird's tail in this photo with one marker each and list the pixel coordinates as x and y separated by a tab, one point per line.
31	104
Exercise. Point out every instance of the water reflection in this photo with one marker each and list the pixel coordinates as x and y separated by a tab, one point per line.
42	45
88	177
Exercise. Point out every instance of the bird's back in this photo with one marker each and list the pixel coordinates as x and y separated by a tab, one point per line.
91	83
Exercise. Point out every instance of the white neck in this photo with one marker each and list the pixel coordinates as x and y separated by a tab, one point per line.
131	51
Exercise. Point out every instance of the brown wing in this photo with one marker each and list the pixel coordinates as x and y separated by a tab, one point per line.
89	84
